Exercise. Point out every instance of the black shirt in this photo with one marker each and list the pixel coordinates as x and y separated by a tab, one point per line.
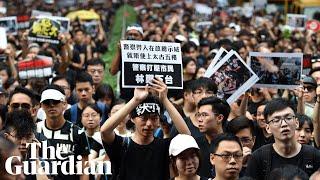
70	139
195	133
257	164
260	138
206	169
131	161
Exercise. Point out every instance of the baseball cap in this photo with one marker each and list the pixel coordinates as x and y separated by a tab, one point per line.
180	143
52	94
309	80
150	105
136	27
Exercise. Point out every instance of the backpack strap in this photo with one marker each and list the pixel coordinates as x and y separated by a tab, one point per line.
74	113
266	159
102	106
309	156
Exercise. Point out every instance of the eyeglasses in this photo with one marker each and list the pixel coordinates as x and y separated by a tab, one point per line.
227	157
51	102
87	115
277	121
99	71
203	115
22	106
245	140
199	92
309	88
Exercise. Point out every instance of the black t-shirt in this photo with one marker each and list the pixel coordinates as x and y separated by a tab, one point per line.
195	133
139	162
257	164
206	169
72	141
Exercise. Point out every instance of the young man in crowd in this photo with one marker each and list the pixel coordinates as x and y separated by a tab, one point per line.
61	134
142	156
227	157
96	67
84	90
212	112
282	123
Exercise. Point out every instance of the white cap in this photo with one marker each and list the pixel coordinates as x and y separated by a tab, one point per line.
52	94
180	143
136	27
181	38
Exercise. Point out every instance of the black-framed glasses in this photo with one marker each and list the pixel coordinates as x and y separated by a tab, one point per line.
203	115
20	105
227	157
278	120
51	102
245	140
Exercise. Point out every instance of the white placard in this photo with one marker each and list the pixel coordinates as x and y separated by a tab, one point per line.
64	22
10	23
3	38
297	21
220	54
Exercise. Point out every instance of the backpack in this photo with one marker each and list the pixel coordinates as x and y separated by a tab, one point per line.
308	159
74	112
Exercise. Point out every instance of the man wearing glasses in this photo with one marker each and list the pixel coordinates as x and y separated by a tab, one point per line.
282	123
227	157
212	112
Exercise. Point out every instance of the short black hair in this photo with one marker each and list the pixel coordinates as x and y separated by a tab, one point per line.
218	105
104	90
23	90
6	148
59	77
83	77
224	137
186	60
275	105
95	107
204	82
288	172
240	123
55	87
20	121
302	118
96	61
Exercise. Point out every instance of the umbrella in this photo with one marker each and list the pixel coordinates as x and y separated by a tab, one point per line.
83	15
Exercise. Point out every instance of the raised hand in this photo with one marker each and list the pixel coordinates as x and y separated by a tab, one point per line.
159	87
141	94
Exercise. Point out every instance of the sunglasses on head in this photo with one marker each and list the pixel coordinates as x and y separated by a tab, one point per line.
51	101
22	106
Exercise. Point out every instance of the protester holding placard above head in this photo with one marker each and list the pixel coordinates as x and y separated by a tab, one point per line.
133	32
151	153
306	95
211	115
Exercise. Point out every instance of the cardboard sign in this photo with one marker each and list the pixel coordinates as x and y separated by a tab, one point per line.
10	23
64	22
91	27
44	30
313	25
3	37
297	21
232	76
40	66
142	61
277	70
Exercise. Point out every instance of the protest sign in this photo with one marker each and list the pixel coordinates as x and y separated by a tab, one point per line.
36	13
296	21
200	26
64	22
313	25
44	30
91	27
277	70
232	76
40	66
220	54
66	3
10	23
23	21
3	38
142	61
203	12
3	10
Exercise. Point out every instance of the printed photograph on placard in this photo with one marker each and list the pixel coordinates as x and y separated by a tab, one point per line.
277	70
219	55
297	21
10	23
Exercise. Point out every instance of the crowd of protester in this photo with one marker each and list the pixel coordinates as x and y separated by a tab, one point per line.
154	133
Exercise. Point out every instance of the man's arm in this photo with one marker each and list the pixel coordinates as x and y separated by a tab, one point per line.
115	63
316	118
161	88
107	128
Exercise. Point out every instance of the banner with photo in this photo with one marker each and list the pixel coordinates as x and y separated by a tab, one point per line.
10	23
203	12
297	21
143	60
64	22
44	30
91	27
232	76
277	70
220	54
40	66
